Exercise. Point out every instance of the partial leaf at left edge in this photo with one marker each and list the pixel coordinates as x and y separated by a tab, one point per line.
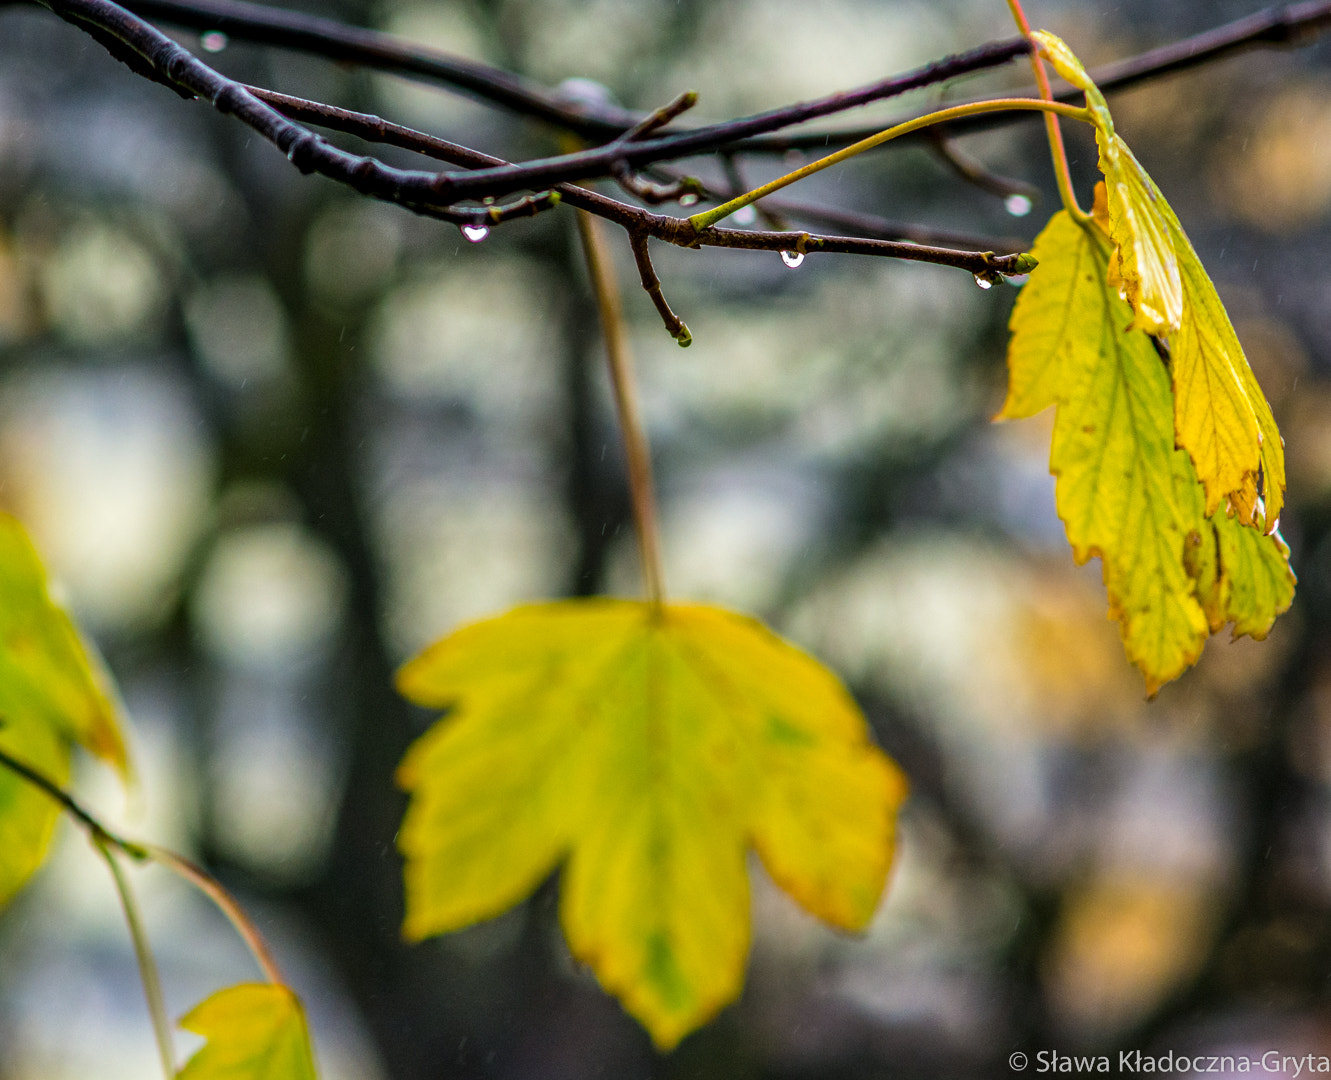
52	694
47	672
255	1031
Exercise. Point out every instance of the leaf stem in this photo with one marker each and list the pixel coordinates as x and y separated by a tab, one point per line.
1057	149
104	838
214	890
708	218
152	984
637	453
96	830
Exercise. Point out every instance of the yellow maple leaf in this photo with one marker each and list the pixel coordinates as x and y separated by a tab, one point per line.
52	694
1221	417
648	748
1174	571
255	1031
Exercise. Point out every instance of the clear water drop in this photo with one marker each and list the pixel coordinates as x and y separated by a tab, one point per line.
792	258
985	281
214	41
688	199
745	215
475	233
1018	205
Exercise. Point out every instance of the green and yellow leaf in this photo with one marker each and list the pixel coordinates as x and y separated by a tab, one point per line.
52	694
1175	571
1221	417
255	1031
646	750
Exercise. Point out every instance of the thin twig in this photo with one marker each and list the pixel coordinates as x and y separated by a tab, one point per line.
652	284
684	189
216	892
95	829
423	192
104	838
661	117
1281	26
975	173
384	52
152	983
636	451
640	187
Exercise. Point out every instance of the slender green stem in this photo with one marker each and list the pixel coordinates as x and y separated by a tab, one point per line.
1057	150
708	218
213	889
95	828
636	451
152	984
104	838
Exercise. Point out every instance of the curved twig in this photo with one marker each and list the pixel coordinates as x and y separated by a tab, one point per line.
674	325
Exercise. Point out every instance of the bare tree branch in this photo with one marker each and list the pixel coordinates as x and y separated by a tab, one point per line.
1282	26
384	52
441	194
637	220
254	22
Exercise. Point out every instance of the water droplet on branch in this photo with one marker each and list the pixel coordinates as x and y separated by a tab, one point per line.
985	281
1018	205
792	258
688	199
475	233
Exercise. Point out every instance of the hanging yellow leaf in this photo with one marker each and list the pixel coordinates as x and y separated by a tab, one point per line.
1173	572
1221	417
647	749
255	1031
52	694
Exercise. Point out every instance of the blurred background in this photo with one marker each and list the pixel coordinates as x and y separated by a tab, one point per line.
272	438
